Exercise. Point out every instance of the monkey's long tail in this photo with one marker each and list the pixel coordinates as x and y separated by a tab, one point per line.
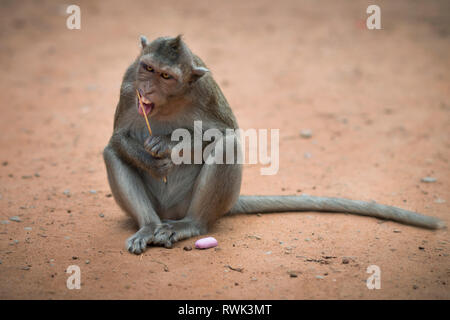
267	204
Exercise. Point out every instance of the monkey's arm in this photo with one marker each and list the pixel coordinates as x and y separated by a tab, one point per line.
131	151
161	146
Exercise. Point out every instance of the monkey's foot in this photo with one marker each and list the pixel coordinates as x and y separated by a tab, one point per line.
137	243
172	231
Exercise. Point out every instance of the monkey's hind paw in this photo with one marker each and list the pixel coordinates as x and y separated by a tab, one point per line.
172	231
137	243
164	235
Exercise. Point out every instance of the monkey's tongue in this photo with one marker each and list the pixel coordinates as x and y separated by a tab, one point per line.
148	107
147	104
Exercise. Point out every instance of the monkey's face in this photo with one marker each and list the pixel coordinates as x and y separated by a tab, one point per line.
165	74
158	85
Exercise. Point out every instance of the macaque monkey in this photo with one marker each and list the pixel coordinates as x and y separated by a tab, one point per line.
172	202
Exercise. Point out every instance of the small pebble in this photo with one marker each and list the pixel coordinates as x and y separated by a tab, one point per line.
397	231
269	252
439	200
187	248
319	277
87	261
4	222
66	192
345	261
206	243
101	215
306	133
293	275
15	218
93	191
428	179
307	155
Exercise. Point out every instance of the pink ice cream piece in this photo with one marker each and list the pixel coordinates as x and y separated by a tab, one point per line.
206	243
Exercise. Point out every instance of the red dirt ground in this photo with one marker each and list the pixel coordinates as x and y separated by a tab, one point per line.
377	102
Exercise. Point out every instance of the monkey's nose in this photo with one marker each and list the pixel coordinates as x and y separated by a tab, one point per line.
145	100
145	91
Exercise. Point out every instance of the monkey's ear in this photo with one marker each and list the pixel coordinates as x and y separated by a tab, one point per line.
176	42
197	73
144	42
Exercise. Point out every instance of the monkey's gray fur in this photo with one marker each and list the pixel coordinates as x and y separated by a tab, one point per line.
177	89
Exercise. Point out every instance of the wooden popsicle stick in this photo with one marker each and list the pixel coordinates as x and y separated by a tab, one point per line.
143	111
146	120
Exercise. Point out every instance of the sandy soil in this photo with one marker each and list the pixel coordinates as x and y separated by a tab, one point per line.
377	102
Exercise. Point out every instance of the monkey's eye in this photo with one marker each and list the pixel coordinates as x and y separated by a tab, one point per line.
165	75
147	67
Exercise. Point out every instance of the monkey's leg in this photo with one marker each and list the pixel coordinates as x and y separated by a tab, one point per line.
215	191
132	196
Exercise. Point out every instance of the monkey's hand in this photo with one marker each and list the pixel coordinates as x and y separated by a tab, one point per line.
160	168
159	147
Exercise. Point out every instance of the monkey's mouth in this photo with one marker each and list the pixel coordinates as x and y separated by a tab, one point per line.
146	104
